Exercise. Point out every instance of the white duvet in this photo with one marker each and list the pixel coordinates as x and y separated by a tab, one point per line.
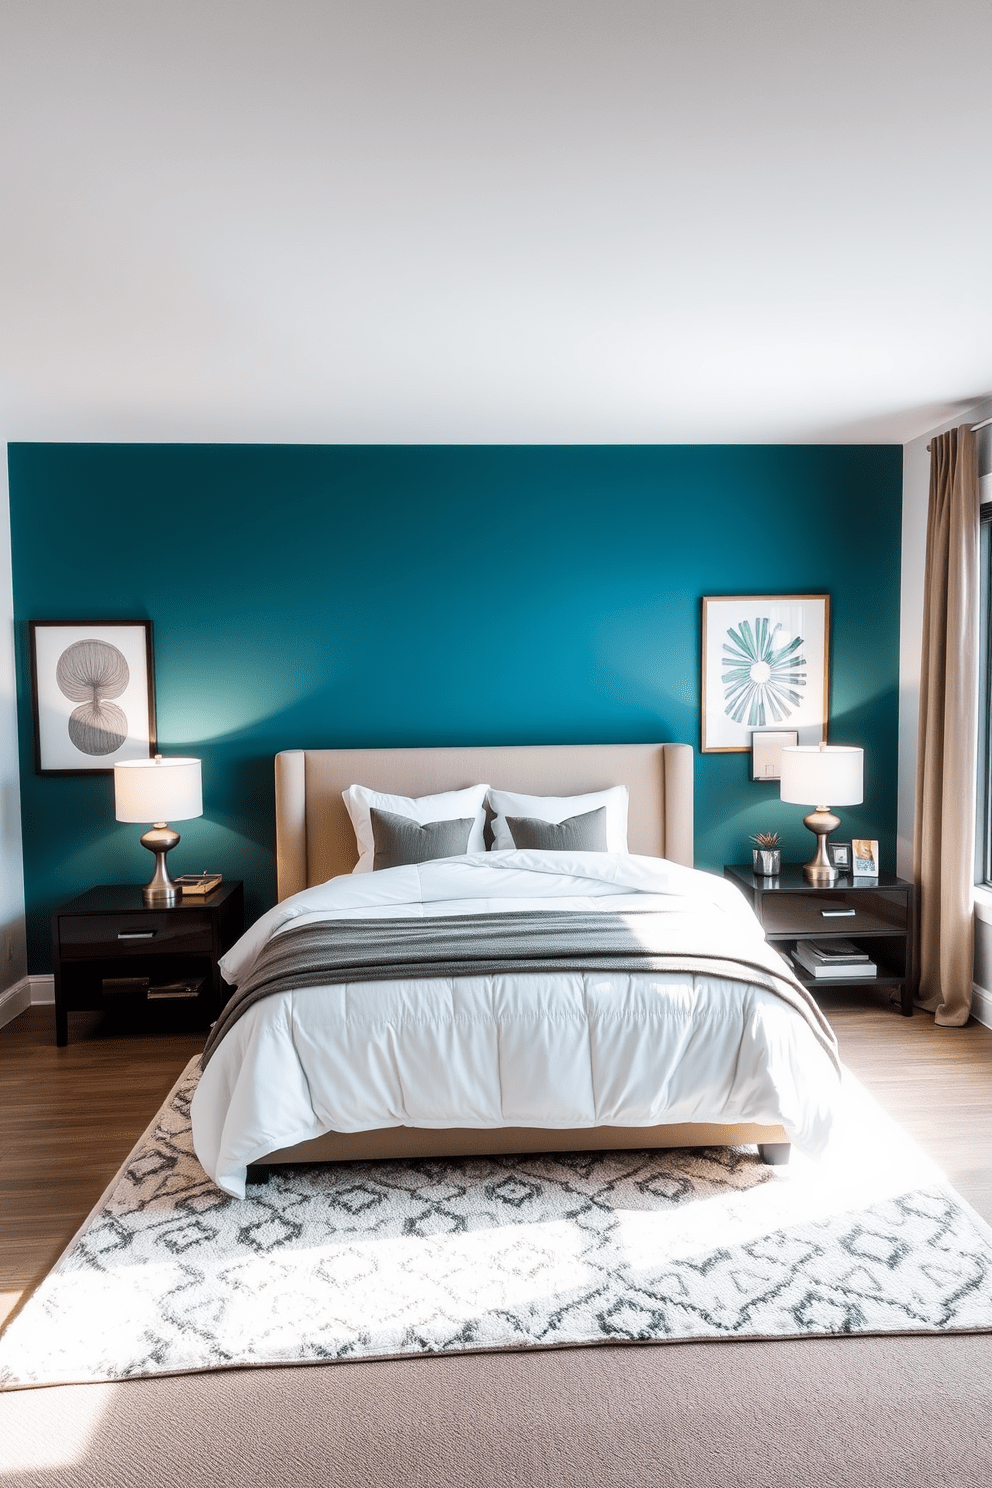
568	1050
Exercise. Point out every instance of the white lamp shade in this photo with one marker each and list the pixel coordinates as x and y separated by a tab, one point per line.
158	790
822	775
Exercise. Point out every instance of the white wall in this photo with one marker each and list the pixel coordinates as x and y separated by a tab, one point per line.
13	958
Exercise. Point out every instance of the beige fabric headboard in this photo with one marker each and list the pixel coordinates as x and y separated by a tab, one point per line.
315	840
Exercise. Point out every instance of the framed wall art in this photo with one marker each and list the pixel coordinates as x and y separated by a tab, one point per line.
766	752
765	665
94	694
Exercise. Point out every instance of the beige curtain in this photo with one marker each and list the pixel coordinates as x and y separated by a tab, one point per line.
944	839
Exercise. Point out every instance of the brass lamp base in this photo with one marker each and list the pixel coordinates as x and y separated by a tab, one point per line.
160	888
819	871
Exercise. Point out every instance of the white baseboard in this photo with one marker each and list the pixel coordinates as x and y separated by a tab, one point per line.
981	1005
42	989
30	991
17	1000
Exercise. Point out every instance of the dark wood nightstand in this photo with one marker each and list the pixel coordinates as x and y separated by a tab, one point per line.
111	950
878	914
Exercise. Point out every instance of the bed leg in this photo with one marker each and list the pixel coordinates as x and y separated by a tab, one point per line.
258	1173
774	1154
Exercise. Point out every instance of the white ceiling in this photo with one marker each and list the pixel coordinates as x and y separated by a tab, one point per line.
494	220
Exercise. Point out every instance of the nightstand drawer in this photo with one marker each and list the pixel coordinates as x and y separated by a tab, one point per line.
118	956
134	935
844	914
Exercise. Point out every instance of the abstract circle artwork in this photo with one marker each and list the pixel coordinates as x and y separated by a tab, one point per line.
92	672
764	673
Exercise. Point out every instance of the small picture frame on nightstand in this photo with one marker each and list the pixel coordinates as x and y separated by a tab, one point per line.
864	860
839	854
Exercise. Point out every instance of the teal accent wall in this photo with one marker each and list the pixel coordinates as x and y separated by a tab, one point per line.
309	596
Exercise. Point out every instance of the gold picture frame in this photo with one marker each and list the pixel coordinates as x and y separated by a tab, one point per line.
765	664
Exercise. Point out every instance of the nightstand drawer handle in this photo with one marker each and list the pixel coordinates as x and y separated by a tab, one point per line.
836	914
140	934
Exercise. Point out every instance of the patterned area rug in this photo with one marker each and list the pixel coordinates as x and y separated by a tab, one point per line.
384	1259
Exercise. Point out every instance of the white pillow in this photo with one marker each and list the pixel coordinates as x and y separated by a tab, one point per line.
558	809
449	806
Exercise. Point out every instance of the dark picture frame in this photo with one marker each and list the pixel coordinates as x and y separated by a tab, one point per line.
93	694
766	752
839	854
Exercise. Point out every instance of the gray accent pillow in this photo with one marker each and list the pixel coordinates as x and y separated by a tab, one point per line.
399	839
586	833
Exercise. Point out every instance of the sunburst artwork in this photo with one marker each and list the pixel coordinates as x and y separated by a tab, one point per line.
764	665
765	673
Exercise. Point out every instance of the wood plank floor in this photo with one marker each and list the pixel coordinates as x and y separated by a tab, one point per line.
68	1117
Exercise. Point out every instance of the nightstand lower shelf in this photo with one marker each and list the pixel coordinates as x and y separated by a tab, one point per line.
876	915
883	978
149	965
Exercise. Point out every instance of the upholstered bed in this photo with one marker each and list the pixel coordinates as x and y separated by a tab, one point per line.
316	847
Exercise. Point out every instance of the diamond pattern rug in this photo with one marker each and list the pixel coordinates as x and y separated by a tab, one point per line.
370	1260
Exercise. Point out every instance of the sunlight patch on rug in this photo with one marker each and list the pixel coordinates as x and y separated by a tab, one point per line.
383	1259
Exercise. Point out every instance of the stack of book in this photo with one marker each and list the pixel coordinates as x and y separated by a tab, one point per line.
171	991
833	958
198	883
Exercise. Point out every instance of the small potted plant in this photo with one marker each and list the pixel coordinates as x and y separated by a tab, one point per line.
767	854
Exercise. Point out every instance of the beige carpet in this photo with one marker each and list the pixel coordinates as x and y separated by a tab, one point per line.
849	1413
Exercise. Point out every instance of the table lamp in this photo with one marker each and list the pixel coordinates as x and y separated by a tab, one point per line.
158	790
811	774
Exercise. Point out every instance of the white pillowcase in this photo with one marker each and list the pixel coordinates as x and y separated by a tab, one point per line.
558	809
449	806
